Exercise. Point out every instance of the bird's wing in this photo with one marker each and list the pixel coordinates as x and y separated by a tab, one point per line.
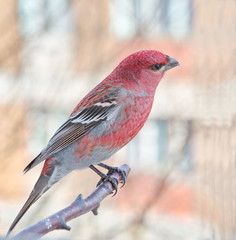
80	123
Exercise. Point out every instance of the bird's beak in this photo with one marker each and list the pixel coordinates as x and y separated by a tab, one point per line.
171	63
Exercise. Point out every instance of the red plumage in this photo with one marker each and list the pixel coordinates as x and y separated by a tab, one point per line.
104	121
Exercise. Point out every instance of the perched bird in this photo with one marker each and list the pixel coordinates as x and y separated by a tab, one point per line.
104	121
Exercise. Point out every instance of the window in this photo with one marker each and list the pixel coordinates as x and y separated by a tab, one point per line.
161	142
150	18
43	15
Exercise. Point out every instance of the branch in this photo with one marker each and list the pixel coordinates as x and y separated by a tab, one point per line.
79	207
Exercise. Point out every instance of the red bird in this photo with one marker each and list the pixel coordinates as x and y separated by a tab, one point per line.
105	120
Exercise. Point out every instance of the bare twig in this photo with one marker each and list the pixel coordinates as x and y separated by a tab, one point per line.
79	207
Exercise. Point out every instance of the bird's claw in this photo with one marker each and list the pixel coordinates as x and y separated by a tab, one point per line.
119	171
107	177
113	181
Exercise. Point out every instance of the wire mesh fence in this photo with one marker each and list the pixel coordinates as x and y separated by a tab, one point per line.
183	179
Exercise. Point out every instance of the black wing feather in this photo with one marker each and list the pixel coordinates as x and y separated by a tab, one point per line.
74	128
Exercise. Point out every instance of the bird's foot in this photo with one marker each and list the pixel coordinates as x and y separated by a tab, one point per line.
113	170
108	178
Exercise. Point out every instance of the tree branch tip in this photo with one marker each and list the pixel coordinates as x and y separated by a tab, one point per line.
126	168
62	224
95	210
79	201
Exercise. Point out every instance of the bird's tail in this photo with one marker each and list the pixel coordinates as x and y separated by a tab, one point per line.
41	186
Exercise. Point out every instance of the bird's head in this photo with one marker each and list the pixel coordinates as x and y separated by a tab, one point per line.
145	68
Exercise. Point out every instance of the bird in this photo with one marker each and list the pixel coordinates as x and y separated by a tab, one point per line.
103	122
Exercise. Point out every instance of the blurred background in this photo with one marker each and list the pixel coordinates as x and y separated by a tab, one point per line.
183	179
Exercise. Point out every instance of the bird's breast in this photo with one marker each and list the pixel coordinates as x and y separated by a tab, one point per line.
110	136
128	123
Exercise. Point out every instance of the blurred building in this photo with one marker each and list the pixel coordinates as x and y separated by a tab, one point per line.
53	52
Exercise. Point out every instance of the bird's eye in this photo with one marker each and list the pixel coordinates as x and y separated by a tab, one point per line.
156	67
